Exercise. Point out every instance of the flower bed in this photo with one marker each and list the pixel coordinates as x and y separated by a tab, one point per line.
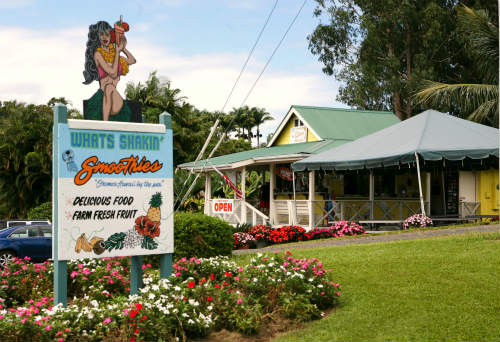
242	240
202	295
417	221
295	233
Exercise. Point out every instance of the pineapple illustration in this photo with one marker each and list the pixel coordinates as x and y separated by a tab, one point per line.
154	212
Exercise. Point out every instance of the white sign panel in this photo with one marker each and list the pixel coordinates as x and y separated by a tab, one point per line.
222	206
298	134
115	193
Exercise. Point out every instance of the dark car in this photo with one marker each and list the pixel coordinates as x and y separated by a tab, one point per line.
34	241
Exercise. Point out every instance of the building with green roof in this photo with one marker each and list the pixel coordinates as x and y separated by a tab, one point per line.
304	131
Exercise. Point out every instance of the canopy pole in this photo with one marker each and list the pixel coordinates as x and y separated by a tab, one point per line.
420	186
294	200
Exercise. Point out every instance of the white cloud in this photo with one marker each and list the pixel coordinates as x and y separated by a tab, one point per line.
39	65
10	4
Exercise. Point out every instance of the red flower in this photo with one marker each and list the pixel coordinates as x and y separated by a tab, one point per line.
147	227
191	284
138	306
228	274
209	298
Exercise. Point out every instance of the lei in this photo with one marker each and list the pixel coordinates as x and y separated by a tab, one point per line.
109	57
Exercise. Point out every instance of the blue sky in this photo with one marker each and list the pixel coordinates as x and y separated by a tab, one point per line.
199	45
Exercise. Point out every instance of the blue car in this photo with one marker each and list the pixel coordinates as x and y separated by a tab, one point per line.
34	241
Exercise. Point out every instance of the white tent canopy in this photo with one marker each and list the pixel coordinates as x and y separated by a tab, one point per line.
431	134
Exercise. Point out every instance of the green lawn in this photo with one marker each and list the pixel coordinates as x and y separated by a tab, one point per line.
435	289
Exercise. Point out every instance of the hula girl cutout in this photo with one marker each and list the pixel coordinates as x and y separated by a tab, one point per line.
103	63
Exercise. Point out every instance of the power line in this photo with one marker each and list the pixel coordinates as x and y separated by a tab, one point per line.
244	100
214	127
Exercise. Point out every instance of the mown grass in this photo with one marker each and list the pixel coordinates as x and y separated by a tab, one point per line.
434	289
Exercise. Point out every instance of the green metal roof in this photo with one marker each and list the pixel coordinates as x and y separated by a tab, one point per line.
307	149
346	124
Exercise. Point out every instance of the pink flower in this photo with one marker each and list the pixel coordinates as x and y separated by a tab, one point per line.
59	333
236	278
337	293
107	320
86	271
80	266
24	320
74	274
239	301
125	312
143	266
178	274
48	327
60	339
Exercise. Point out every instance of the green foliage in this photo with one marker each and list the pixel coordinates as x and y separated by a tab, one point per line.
299	307
476	101
199	235
190	125
25	157
381	49
242	227
41	212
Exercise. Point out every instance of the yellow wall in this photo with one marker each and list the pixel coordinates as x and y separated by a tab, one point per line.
284	136
487	192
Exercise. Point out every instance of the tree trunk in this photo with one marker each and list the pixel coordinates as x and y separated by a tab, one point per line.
258	135
408	68
396	97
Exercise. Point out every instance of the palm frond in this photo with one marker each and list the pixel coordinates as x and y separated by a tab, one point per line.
482	39
476	101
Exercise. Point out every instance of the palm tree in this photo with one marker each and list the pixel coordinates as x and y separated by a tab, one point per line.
259	116
156	97
478	102
242	120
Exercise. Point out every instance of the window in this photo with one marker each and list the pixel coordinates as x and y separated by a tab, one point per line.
46	231
297	123
25	232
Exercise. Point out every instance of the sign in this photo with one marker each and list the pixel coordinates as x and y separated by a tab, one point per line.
115	189
298	134
222	206
285	173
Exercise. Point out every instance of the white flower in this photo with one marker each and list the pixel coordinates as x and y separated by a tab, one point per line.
190	321
155	287
177	288
94	303
151	296
90	315
185	315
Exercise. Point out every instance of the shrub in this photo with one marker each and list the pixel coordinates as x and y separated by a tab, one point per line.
346	228
243	239
286	234
202	295
242	228
417	221
199	235
260	232
42	212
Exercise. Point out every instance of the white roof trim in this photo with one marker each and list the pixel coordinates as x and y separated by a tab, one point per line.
285	120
